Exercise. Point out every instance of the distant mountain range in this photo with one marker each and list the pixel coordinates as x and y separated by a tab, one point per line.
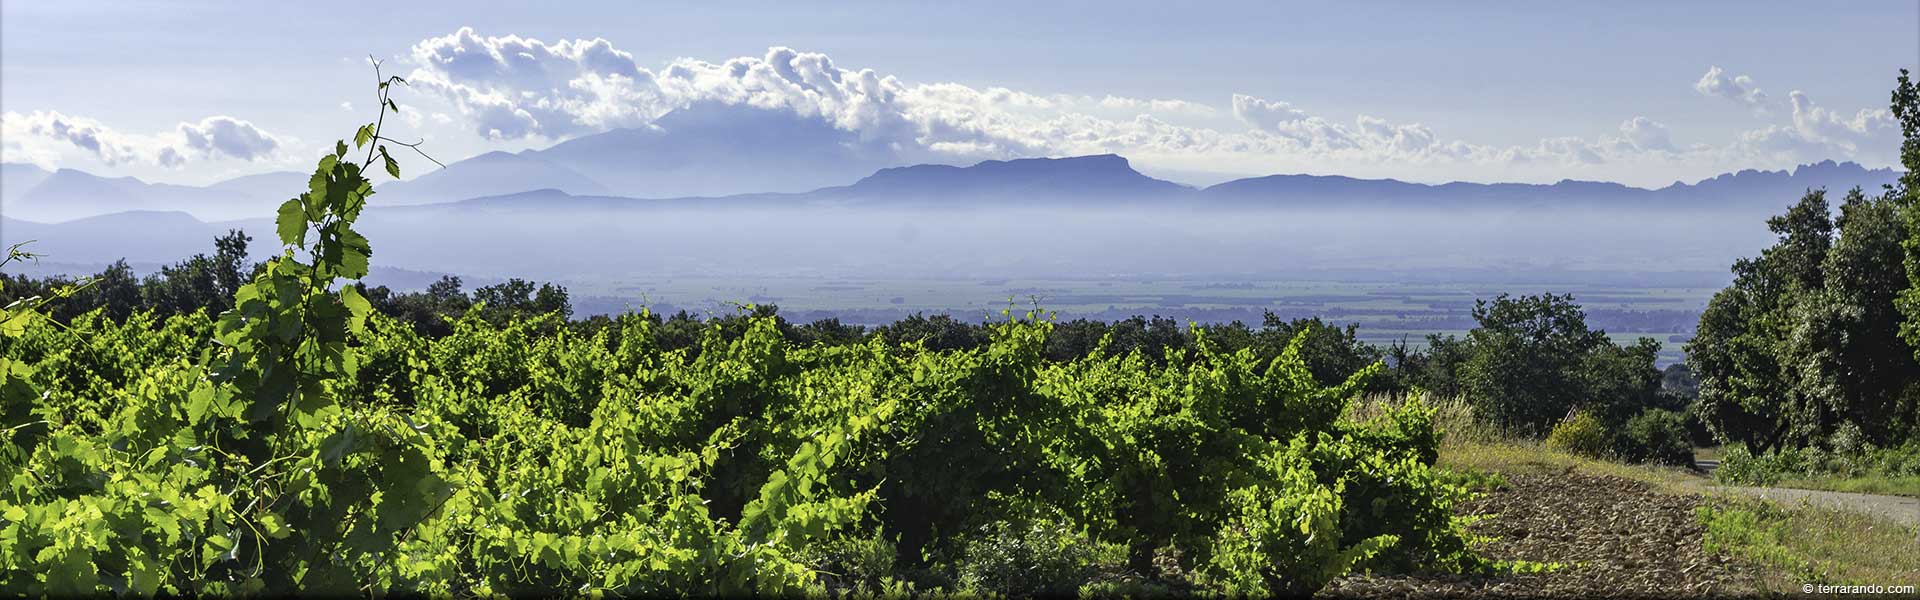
1083	215
1748	188
1108	180
638	168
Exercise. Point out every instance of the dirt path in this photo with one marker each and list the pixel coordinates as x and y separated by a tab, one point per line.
1610	537
1899	509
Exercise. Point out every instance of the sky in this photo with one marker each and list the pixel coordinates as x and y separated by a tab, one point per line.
1644	94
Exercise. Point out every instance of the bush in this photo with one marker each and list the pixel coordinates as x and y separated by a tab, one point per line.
1741	467
1580	434
1656	436
1041	558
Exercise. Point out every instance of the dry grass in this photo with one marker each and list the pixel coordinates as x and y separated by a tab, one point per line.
1793	545
1809	544
1533	457
1866	484
1471	444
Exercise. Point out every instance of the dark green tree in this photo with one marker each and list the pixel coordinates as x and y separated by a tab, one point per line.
1817	334
1740	350
201	282
1524	370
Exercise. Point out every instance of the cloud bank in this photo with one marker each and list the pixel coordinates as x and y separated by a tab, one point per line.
44	137
514	88
509	90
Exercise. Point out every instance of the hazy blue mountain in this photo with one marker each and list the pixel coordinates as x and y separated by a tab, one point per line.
500	181
1107	180
70	194
1076	181
274	187
715	150
17	178
1780	188
1745	189
1080	180
141	235
488	174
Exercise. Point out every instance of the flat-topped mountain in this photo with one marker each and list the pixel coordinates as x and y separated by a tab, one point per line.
1099	178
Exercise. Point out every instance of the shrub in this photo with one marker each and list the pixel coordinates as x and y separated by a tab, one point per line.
1741	467
1656	436
1580	434
1041	558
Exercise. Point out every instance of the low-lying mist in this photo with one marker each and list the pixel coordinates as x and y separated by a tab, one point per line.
1057	242
981	242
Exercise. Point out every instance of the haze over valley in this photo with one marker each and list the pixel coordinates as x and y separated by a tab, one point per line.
997	228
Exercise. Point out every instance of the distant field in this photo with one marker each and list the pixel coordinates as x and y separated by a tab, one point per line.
1385	312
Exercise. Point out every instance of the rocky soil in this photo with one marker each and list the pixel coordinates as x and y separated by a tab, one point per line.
1614	537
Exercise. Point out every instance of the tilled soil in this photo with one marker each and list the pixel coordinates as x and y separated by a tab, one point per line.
1615	537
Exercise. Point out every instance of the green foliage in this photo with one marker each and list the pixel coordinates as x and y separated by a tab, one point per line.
1809	542
198	283
1038	557
1533	360
1905	103
1806	340
1817	335
1739	466
1284	537
1656	436
1581	434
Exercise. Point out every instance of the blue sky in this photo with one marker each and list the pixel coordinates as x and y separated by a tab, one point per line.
196	92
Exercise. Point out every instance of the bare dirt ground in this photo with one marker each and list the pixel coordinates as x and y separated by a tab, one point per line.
1610	536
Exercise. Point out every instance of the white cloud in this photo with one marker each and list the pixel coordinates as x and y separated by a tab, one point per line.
45	136
45	133
227	136
509	87
1264	114
1825	126
1647	134
1815	132
1737	88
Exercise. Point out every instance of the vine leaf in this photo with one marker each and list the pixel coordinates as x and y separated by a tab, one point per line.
292	223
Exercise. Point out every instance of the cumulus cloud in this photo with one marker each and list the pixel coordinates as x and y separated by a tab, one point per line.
1647	134
1817	132
513	88
227	136
509	87
1265	114
1739	88
88	135
43	136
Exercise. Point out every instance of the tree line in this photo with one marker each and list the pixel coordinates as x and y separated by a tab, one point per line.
1814	343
